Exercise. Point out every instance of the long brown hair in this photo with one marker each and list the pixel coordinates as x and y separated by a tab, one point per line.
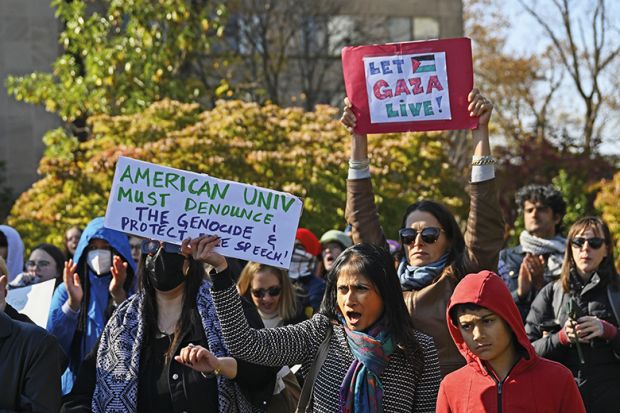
606	269
287	306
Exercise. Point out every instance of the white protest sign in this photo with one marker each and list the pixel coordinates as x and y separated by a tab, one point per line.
407	88
33	300
168	204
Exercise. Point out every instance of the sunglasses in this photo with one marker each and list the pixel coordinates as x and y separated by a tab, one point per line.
594	242
40	264
151	247
429	235
261	292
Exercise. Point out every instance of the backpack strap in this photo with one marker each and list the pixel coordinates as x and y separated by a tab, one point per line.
306	392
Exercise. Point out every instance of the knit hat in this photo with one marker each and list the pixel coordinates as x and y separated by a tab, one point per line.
340	237
309	241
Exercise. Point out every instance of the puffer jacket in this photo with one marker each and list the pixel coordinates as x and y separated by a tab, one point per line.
599	377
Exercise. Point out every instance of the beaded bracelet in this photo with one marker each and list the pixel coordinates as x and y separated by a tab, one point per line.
482	160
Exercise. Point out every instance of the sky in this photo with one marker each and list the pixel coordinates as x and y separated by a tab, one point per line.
525	36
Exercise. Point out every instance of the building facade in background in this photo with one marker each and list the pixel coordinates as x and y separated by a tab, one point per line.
28	43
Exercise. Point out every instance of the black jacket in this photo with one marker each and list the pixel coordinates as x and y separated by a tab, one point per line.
599	377
30	367
188	387
510	260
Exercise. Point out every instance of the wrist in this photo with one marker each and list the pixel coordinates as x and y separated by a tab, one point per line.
610	331
74	305
118	295
221	267
564	340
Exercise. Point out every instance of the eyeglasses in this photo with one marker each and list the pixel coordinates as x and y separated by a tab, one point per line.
594	242
40	264
152	246
429	235
261	292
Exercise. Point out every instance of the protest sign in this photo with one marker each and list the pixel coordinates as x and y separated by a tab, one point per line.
168	204
413	86
33	300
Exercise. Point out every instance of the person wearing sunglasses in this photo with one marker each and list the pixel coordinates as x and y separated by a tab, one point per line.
359	353
436	255
278	304
138	360
583	307
97	280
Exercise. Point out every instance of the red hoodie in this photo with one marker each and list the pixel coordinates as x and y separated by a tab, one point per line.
534	384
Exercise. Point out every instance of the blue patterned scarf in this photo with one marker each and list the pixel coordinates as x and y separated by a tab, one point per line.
118	358
416	278
362	390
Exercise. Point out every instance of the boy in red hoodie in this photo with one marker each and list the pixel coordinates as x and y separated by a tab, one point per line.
503	372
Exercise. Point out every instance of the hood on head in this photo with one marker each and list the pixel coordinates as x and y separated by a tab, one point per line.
116	239
15	257
488	290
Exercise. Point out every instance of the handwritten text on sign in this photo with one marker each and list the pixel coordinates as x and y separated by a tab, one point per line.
168	204
406	88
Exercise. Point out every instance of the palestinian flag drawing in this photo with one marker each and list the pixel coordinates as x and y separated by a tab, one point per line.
423	63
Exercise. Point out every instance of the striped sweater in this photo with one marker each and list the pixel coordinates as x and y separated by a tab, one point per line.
408	387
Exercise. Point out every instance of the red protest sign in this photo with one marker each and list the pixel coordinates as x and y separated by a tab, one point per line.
413	86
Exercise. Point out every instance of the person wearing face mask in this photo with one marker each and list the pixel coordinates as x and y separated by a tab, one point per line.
436	255
575	319
98	279
359	353
302	270
137	367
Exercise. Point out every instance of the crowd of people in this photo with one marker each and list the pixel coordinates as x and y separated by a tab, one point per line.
434	320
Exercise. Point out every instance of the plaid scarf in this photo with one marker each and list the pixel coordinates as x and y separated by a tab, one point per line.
118	358
361	389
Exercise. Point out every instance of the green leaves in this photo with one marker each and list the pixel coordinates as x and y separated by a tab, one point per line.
123	58
305	153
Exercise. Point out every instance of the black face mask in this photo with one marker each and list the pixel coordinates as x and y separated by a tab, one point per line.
165	270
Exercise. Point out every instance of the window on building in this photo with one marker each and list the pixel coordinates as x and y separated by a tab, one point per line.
341	31
398	29
425	28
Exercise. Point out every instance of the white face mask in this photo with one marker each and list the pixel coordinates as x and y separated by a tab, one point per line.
302	264
99	261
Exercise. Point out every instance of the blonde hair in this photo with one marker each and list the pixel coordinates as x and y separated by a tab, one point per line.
3	268
287	305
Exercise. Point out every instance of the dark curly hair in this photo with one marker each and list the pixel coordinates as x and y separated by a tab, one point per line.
548	195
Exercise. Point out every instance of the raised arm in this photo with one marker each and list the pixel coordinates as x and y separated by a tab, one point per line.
361	211
273	347
484	237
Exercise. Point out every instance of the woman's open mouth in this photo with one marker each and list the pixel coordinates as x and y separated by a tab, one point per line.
353	317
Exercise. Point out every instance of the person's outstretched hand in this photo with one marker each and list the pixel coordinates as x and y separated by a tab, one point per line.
73	285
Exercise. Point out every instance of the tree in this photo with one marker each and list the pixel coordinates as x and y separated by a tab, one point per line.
304	153
122	57
607	203
6	193
585	54
287	51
